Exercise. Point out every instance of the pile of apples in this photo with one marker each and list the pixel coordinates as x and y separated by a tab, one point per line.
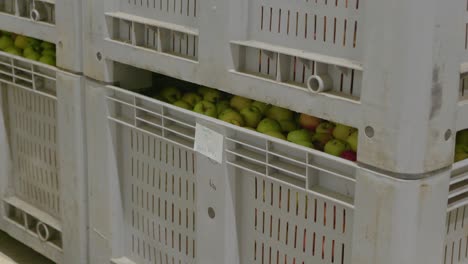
29	48
461	147
305	130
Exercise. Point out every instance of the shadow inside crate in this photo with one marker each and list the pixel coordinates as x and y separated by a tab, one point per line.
13	252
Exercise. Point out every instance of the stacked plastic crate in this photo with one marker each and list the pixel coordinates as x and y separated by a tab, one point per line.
42	165
389	68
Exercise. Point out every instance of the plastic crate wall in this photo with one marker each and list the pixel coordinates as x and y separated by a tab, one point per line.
274	201
153	181
272	46
58	22
270	51
42	198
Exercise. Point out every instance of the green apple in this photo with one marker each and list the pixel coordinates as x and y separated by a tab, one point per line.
275	134
462	137
222	105
21	42
278	113
171	94
251	115
47	45
34	43
191	98
183	104
309	122
335	147
461	156
202	90
48	52
300	135
353	141
325	128
213	96
28	50
232	117
263	107
14	51
288	125
6	42
320	140
268	124
225	111
342	132
304	143
206	108
460	148
48	60
239	102
32	56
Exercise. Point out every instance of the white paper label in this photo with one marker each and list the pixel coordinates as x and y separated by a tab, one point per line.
209	143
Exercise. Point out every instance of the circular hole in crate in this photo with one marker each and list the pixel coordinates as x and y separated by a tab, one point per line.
42	231
211	212
448	134
99	56
369	131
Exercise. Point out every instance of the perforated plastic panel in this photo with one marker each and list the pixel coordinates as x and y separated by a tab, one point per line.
328	27
456	243
182	12
294	205
159	199
42	184
284	224
156	169
33	130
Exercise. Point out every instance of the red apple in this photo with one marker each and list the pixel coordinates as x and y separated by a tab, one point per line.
309	122
349	155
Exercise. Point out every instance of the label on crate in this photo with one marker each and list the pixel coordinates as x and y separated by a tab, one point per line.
209	143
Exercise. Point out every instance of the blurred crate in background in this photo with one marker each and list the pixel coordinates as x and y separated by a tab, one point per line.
58	22
42	177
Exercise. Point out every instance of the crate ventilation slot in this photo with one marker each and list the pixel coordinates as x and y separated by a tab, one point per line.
154	35
151	116
292	165
28	75
458	192
33	221
312	72
185	11
36	10
456	242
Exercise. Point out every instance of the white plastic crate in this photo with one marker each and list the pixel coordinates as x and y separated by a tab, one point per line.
273	46
153	199
54	21
367	57
42	175
392	69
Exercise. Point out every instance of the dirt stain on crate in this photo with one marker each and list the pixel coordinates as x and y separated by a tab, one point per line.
436	93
